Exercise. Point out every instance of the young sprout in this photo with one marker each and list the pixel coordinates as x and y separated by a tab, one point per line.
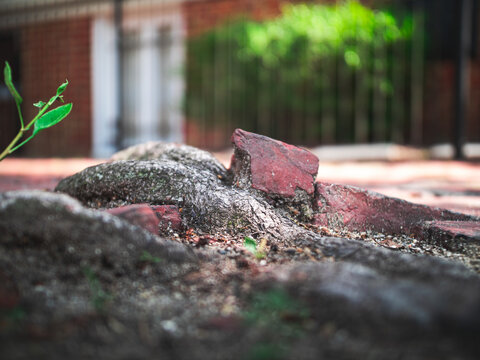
251	246
43	120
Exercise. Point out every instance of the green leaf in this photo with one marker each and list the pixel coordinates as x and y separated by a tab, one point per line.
40	104
250	244
7	75
52	100
62	87
52	117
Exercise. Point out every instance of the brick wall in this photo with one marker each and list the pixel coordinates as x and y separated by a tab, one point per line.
51	52
8	112
205	14
9	122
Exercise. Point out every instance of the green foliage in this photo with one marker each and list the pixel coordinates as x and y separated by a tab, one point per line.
251	246
7	73
39	104
280	317
43	120
16	314
294	66
11	319
149	258
306	34
52	118
276	310
99	297
267	351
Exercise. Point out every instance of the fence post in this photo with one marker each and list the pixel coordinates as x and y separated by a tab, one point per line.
417	76
118	21
462	75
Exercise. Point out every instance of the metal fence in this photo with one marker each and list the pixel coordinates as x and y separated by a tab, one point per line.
192	71
352	85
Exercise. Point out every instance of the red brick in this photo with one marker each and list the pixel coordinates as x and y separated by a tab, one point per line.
51	52
138	214
355	209
453	235
169	218
274	167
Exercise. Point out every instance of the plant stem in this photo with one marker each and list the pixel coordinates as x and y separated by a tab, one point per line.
12	144
20	115
8	150
40	113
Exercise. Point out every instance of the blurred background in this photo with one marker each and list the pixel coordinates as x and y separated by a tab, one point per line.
403	72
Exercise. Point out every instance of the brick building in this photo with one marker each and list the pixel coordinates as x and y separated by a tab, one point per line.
48	41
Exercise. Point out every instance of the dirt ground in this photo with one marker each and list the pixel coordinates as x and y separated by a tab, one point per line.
102	288
448	184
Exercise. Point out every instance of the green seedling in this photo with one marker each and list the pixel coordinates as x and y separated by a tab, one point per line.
43	120
277	310
100	298
280	318
149	258
251	246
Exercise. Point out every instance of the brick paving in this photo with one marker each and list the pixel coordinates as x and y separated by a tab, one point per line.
447	184
43	174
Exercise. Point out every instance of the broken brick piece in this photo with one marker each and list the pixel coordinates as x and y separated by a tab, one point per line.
169	218
453	235
138	214
272	166
356	209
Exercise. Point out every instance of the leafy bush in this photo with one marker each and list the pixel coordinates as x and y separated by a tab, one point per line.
282	76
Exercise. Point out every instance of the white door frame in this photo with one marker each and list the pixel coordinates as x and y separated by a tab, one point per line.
148	106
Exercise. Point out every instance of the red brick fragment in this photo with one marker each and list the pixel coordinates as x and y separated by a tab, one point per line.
275	167
356	209
169	218
138	214
452	234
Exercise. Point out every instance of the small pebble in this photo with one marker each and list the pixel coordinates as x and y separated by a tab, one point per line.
170	326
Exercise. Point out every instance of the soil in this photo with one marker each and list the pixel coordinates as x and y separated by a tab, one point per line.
210	295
